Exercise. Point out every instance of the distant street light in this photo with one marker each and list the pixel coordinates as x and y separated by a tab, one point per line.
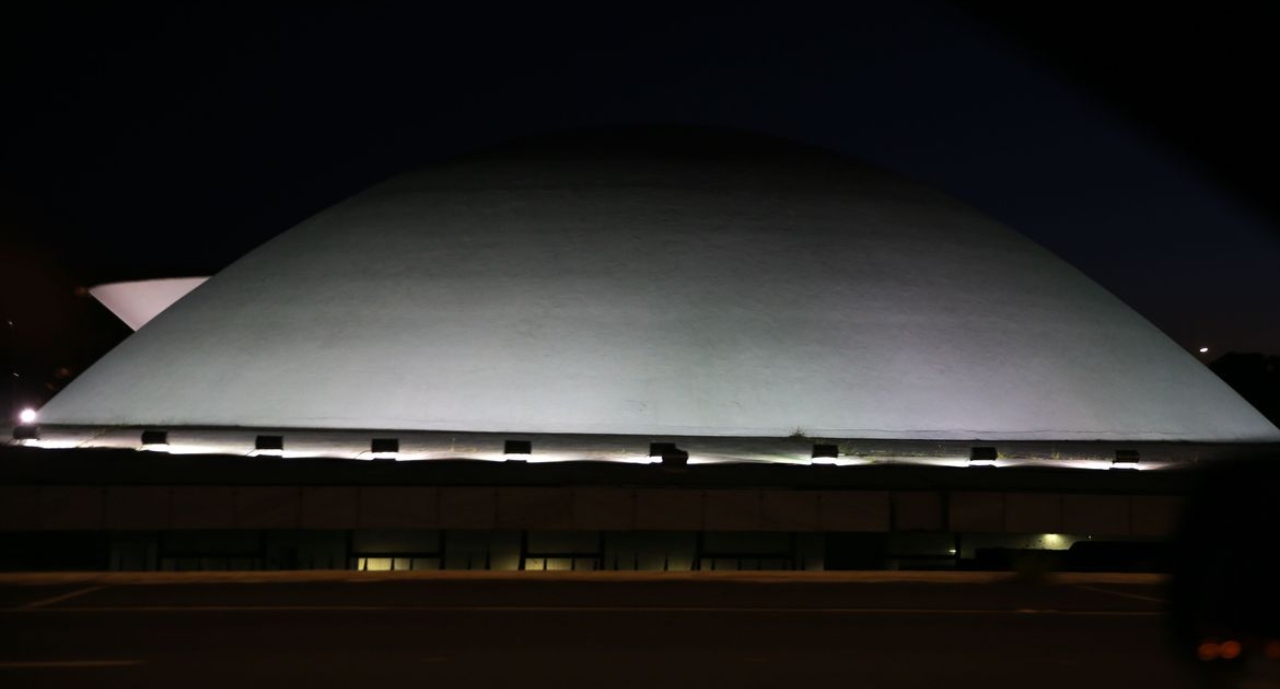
28	416
1204	350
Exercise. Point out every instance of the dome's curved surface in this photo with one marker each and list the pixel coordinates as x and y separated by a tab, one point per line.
659	285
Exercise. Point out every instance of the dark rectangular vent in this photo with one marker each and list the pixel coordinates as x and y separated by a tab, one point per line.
517	447
982	456
661	449
1125	459
269	443
26	433
675	458
826	451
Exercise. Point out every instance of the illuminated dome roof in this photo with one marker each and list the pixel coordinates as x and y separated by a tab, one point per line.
653	283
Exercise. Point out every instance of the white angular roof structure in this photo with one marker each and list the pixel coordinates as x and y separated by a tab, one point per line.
659	282
136	303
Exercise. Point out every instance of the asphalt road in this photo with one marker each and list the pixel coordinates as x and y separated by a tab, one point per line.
617	633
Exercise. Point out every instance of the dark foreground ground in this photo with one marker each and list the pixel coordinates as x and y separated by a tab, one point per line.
361	631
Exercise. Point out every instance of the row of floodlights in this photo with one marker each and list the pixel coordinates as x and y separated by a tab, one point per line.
978	456
521	450
273	445
986	457
389	448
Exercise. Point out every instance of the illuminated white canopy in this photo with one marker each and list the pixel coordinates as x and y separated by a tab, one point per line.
659	283
136	303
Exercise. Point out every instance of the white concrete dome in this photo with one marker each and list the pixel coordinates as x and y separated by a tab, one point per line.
652	283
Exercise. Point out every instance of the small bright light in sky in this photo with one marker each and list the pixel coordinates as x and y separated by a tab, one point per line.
27	416
1204	350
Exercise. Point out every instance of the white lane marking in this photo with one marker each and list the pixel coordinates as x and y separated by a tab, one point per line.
44	664
1150	599
66	596
571	609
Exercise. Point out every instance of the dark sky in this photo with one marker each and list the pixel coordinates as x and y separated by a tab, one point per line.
150	141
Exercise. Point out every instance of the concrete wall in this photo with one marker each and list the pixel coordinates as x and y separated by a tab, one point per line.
119	508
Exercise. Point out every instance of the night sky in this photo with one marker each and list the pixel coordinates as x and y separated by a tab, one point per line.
157	141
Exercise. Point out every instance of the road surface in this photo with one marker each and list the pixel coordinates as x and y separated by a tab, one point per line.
541	631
